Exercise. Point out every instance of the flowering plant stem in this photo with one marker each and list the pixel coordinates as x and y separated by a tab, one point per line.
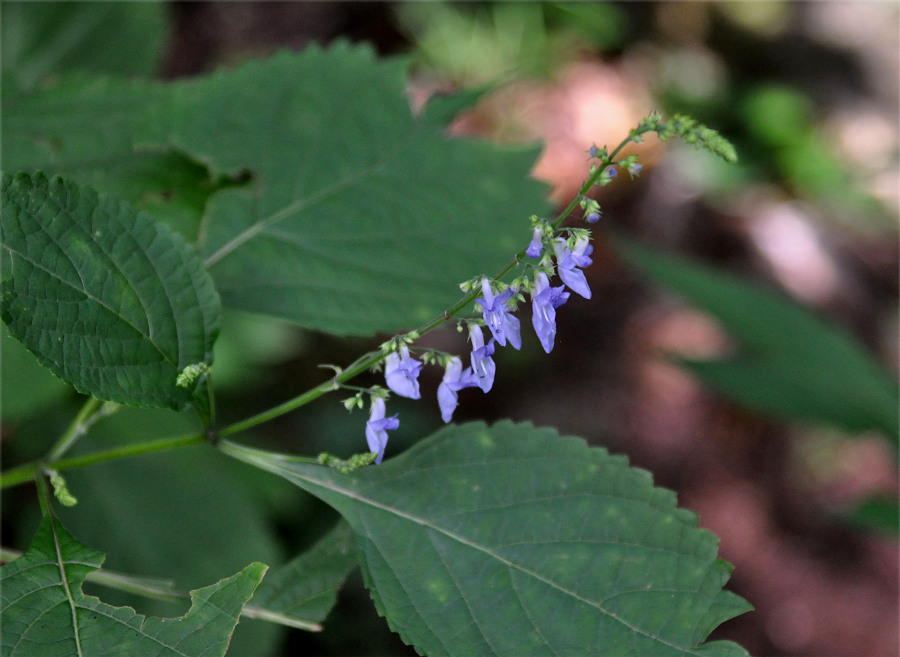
77	428
89	412
27	471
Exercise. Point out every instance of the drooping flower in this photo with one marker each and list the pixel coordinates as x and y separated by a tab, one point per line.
377	428
499	320
401	372
537	243
544	302
455	379
593	217
568	262
483	366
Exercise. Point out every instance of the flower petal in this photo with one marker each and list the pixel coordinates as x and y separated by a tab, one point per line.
534	249
377	428
401	373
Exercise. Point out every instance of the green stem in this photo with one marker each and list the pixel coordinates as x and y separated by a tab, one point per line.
28	471
211	395
76	430
585	188
361	365
43	492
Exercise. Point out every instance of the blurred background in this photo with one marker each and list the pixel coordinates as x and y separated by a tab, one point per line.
807	92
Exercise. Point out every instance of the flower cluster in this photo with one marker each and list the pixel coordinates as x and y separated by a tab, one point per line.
497	305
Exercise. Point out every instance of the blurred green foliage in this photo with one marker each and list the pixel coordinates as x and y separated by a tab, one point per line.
46	38
790	363
477	43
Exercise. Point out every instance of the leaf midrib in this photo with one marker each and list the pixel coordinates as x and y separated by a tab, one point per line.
301	204
64	582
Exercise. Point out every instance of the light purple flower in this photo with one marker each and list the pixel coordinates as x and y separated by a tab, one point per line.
568	262
401	372
544	302
537	243
499	320
593	217
483	366
377	428
611	173
455	379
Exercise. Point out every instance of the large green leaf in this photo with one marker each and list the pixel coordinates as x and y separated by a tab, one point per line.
108	299
55	129
509	540
358	217
792	364
302	592
45	613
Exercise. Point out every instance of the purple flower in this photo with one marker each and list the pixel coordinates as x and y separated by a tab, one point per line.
537	243
483	366
544	302
611	173
593	217
568	262
377	428
401	373
455	379
498	319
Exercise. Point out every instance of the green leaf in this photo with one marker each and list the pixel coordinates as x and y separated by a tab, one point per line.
43	38
45	612
792	364
206	516
298	594
109	300
358	217
55	130
302	592
878	514
313	237
509	540
442	108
